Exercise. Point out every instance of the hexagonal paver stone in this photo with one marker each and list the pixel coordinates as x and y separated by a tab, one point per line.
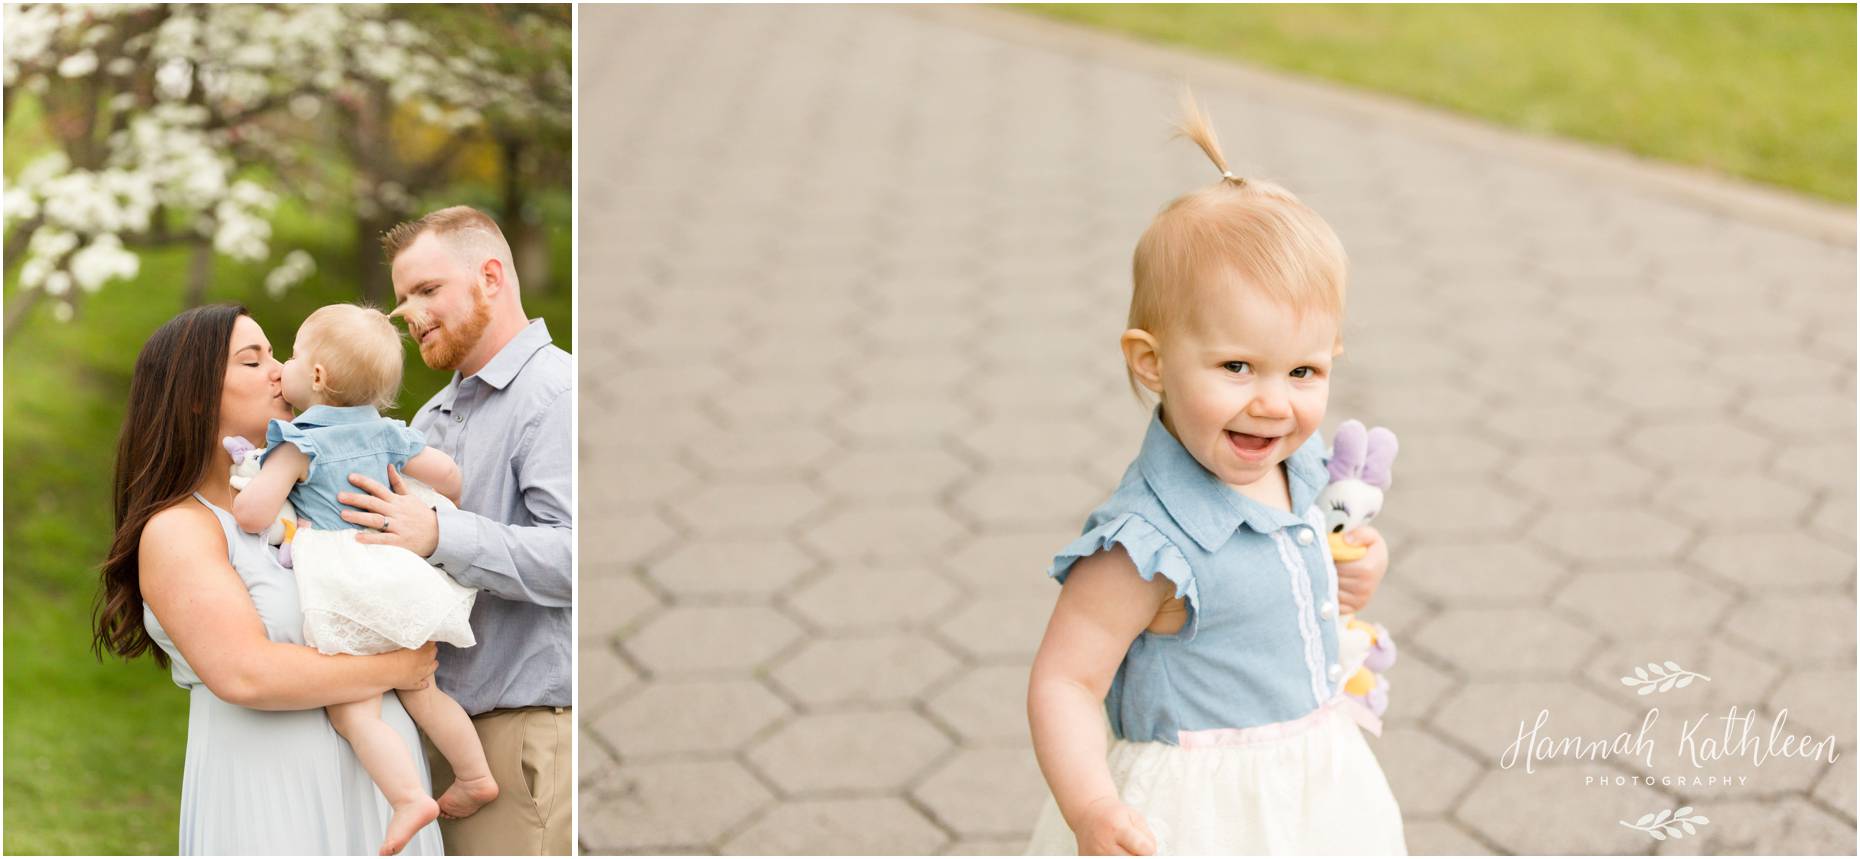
874	827
1022	441
1004	628
677	717
1609	534
1829	465
873	599
1427	775
1737	499
603	675
777	401
1804	415
718	638
1803	630
1477	571
1579	475
638	534
1740	675
1789	826
1013	563
893	472
1576	424
726	567
1439	838
1650	603
1488	716
1684	443
915	418
987	704
1455	509
611	600
1774	559
1836	789
1551	811
761	451
1031	392
1458	453
986	792
1835	516
675	806
874	751
884	532
637	481
1416	686
1819	700
987	847
1506	642
1007	498
879	669
740	509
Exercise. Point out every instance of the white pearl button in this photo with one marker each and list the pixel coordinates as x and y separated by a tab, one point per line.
1328	611
1304	536
1336	671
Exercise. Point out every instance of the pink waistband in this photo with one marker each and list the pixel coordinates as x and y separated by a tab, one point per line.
1229	737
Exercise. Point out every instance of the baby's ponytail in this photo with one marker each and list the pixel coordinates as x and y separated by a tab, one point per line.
1198	128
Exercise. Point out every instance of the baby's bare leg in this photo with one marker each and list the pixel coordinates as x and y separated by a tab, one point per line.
390	764
451	731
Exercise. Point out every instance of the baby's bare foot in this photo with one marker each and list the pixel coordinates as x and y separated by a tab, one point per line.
466	796
408	819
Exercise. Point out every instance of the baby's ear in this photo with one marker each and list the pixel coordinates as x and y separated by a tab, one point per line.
1347	451
1143	359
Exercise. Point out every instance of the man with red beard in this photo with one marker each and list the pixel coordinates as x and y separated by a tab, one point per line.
506	417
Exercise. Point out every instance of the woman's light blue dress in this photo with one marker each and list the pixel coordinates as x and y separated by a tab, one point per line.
277	782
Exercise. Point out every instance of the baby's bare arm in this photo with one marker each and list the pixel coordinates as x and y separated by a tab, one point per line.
435	468
1103	607
257	507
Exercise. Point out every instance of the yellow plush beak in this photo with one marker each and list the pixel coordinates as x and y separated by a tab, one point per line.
1342	551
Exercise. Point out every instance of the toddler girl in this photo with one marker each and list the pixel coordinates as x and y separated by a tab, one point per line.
362	598
1199	609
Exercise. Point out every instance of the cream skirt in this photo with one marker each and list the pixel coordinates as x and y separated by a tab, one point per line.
362	598
1308	786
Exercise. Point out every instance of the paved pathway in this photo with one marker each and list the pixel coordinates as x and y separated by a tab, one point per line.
852	280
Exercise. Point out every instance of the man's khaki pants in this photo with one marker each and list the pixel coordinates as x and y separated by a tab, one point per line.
531	752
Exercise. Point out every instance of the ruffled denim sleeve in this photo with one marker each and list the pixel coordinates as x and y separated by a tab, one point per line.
1149	550
280	432
412	441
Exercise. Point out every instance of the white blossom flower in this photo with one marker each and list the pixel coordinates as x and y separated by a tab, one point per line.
78	65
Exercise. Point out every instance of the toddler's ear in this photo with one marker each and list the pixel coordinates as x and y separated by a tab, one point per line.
1141	357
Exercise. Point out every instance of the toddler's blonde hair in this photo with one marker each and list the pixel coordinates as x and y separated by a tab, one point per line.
1255	231
360	351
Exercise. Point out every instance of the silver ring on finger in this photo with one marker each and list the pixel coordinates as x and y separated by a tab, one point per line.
384	523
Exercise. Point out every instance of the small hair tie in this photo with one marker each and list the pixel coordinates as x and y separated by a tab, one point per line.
1229	176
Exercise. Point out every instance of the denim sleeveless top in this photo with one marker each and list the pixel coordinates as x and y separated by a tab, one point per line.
340	441
1260	642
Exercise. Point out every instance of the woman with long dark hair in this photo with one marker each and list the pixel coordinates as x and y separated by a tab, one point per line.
265	772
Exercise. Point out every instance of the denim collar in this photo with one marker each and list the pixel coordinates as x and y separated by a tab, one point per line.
1211	511
329	416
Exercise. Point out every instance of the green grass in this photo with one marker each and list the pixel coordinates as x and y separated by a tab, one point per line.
1765	93
94	750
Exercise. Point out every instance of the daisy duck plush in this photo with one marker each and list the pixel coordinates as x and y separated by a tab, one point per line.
1360	464
245	458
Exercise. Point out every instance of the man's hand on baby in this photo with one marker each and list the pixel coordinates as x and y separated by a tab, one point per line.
398	518
1358	579
1111	828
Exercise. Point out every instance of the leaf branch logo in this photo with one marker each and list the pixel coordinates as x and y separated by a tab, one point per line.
1668	824
1660	678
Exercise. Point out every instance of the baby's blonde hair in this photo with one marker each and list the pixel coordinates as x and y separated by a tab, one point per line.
1242	228
360	351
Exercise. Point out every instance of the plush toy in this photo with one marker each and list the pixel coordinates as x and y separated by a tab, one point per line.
1360	464
245	467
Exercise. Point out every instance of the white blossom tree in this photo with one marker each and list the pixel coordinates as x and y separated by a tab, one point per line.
183	125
